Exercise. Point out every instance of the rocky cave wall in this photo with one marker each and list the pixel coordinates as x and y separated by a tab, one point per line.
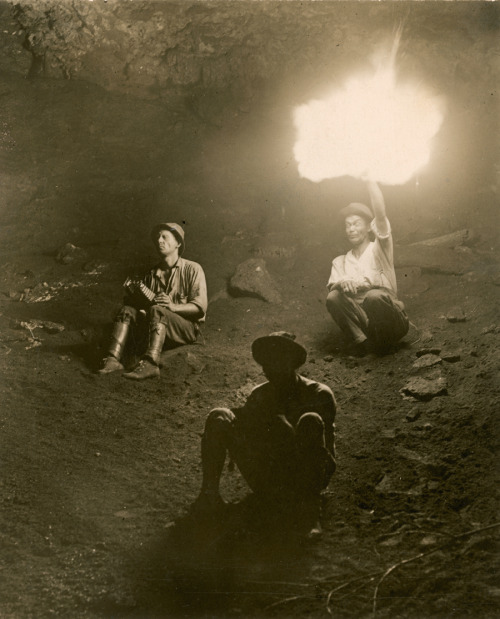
223	61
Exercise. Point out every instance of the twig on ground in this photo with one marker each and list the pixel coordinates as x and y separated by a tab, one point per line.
286	600
346	584
371	576
424	554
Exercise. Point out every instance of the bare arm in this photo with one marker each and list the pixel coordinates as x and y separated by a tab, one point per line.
378	206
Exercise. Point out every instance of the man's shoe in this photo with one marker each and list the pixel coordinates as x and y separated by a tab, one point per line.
110	364
145	369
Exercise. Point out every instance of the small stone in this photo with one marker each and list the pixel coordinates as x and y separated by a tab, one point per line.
390	433
69	252
425	389
328	358
428	351
413	415
490	329
456	315
14	295
426	361
450	357
52	327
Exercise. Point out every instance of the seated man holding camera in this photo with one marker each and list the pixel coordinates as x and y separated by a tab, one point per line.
173	299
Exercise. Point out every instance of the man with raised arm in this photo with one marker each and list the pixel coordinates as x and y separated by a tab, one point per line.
362	287
174	305
282	439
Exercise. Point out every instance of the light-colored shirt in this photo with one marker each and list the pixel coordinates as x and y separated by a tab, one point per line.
374	268
185	283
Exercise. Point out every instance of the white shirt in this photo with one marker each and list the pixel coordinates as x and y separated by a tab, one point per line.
375	266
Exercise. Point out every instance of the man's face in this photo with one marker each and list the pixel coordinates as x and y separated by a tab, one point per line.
166	243
279	372
357	229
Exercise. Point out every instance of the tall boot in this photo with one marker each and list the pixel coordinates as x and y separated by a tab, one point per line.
111	363
148	365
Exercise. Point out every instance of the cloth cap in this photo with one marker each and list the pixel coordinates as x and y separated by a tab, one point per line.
175	229
278	345
357	208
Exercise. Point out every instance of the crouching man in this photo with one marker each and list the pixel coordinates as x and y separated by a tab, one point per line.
172	298
282	439
362	286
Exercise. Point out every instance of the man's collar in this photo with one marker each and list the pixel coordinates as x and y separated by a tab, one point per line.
160	269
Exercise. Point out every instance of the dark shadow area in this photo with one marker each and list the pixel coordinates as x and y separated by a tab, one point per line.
205	565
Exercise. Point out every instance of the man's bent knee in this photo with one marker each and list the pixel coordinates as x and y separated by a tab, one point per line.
310	430
333	300
218	417
375	295
127	314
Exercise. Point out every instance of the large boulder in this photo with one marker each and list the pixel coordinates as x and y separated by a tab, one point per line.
252	279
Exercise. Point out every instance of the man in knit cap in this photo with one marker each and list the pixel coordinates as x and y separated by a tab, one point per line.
171	297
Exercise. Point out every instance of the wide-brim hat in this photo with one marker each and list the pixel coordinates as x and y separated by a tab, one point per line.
357	208
278	345
175	229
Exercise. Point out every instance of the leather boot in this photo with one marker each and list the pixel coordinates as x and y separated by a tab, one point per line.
111	363
148	366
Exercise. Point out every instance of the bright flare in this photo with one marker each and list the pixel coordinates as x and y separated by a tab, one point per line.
373	125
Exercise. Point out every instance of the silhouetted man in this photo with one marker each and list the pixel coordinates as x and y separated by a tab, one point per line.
282	439
173	300
363	291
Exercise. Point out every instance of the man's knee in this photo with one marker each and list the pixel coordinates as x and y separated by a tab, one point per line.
219	418
334	301
158	313
310	430
127	315
376	296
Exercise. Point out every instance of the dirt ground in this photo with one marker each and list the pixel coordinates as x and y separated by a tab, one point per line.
98	473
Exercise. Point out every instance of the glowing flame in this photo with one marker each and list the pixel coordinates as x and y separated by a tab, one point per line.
373	124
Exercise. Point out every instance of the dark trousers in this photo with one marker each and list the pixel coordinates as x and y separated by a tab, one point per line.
376	315
299	465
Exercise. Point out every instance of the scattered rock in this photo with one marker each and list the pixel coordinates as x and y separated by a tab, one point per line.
456	315
428	540
490	329
252	279
450	357
426	361
428	351
69	253
390	433
14	295
425	389
413	415
328	358
30	325
95	267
